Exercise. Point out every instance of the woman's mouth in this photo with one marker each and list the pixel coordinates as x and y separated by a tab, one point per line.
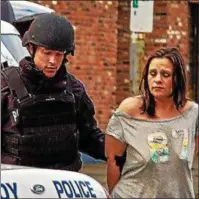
158	88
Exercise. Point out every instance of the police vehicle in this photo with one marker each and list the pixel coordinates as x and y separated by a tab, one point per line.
25	9
12	50
27	182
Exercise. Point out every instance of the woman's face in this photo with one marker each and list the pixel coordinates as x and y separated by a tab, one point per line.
160	77
48	61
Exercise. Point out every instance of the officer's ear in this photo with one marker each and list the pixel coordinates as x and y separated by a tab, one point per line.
32	49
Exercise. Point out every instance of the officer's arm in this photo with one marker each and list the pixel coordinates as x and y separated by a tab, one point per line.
92	140
4	102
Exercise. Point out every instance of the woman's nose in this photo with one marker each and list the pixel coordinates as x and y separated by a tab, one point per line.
158	78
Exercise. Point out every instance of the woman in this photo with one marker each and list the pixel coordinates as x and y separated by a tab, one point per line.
157	131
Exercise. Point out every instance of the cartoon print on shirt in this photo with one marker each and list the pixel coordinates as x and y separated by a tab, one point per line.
158	143
182	133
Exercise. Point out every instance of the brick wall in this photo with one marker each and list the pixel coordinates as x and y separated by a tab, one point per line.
122	77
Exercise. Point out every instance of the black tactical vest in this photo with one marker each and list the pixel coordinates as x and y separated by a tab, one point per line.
46	127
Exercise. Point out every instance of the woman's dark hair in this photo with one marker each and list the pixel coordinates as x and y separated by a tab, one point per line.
179	80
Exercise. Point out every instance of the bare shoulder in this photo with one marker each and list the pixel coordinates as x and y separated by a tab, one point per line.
188	105
131	105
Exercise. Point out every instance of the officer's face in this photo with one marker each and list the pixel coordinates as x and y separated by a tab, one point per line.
48	61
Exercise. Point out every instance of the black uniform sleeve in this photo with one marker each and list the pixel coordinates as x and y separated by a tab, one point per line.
91	138
4	102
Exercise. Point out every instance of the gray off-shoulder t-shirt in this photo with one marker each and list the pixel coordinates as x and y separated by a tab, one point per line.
159	155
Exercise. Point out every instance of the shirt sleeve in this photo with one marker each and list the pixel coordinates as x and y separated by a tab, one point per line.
114	128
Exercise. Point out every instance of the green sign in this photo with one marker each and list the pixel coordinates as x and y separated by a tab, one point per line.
135	3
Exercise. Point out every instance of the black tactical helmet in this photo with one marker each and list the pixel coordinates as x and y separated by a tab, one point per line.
51	31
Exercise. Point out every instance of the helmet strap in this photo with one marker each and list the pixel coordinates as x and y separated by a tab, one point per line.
65	60
32	50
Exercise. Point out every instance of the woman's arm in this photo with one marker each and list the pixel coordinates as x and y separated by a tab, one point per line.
115	143
113	148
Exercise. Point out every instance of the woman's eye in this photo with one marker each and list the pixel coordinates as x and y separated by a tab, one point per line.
152	73
166	74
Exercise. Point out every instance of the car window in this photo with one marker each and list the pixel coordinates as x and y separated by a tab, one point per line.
6	57
14	45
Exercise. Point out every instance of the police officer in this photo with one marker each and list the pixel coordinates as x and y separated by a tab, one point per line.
47	116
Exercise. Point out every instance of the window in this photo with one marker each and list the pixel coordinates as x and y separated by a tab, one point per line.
14	45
